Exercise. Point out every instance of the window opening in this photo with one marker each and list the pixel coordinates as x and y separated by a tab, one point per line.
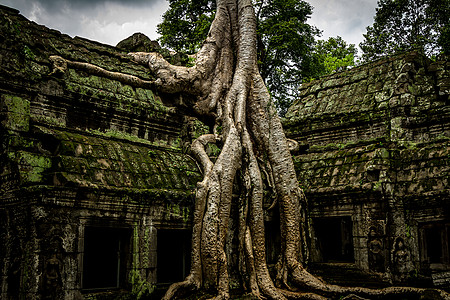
174	255
334	238
105	257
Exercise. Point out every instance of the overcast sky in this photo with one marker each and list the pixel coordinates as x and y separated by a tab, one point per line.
110	21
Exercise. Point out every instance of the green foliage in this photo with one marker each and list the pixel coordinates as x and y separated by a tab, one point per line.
285	41
186	24
285	47
333	55
401	25
191	62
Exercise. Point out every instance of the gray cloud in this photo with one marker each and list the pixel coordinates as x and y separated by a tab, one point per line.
109	21
346	18
55	6
106	21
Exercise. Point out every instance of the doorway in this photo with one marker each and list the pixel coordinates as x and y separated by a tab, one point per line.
334	239
173	255
105	257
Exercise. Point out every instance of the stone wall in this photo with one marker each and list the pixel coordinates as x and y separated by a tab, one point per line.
374	150
85	162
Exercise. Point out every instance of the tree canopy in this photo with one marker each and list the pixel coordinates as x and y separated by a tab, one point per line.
285	42
401	25
186	24
333	55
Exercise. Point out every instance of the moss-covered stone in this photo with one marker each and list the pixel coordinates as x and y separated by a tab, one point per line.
376	152
16	111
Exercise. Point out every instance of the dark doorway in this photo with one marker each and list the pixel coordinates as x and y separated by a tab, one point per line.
433	239
105	257
334	238
174	255
435	243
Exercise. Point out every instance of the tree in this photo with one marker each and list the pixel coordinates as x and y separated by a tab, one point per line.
333	55
285	48
401	25
285	41
225	87
185	24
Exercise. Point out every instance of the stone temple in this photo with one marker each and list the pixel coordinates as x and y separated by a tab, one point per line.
97	186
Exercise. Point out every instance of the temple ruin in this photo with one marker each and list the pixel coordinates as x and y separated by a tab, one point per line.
97	185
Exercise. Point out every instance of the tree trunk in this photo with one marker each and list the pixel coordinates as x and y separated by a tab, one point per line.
228	87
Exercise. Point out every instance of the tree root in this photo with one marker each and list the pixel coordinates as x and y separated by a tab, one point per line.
310	282
60	66
189	285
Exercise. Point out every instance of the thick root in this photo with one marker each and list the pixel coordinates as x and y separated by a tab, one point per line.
309	282
189	285
60	66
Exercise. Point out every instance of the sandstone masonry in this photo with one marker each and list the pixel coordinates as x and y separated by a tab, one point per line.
374	161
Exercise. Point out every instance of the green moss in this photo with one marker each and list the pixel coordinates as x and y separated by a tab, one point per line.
140	287
198	129
146	248
384	153
176	210
18	113
121	95
16	27
441	138
213	150
31	166
376	186
127	90
129	137
407	144
20	142
176	143
49	120
28	53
